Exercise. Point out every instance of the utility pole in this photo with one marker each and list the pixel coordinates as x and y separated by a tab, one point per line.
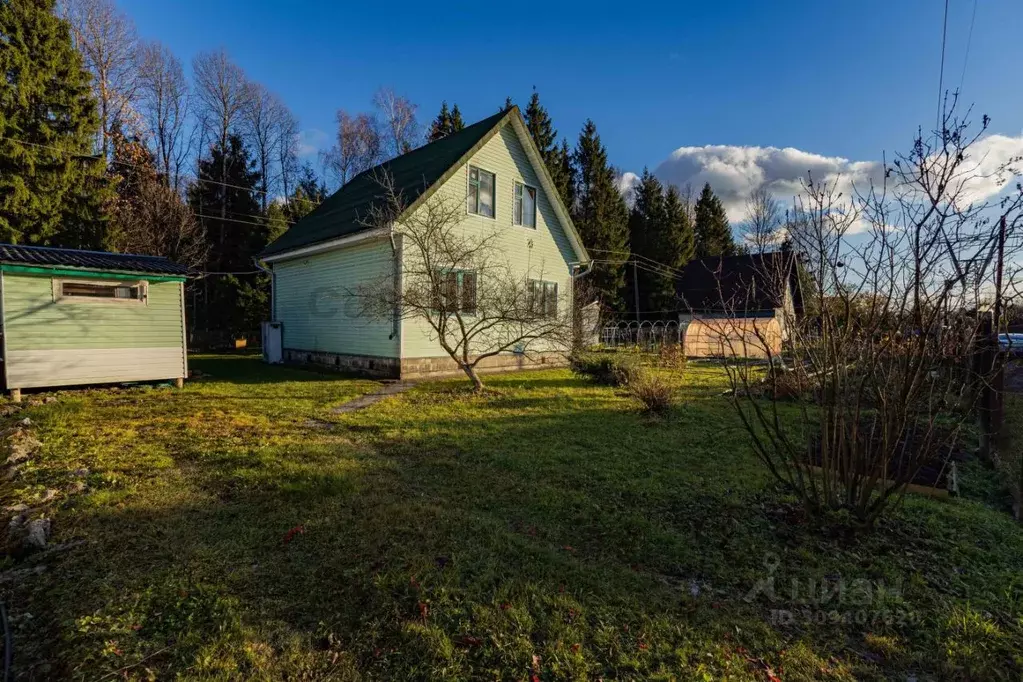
998	276
635	288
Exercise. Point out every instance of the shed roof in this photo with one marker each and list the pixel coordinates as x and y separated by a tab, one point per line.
50	257
738	284
343	212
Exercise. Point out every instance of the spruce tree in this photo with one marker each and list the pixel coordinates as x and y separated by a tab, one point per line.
681	242
456	119
563	173
713	233
232	302
51	190
601	216
648	241
558	160
441	126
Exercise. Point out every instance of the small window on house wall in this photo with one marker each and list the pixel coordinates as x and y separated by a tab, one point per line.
74	290
543	298
481	192
525	205
456	291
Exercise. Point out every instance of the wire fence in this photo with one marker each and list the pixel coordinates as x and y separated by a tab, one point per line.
647	336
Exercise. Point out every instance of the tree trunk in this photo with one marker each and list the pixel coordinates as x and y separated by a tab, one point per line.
470	371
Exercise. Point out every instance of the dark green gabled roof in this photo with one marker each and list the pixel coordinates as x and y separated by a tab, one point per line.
343	212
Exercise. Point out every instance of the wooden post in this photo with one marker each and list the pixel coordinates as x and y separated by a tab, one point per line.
179	382
16	395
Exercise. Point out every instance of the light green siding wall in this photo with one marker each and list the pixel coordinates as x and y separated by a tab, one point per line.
52	342
34	321
541	253
313	301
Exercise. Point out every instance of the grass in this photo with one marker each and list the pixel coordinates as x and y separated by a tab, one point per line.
545	530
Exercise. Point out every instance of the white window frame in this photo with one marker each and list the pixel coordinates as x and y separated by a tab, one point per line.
473	192
518	212
60	297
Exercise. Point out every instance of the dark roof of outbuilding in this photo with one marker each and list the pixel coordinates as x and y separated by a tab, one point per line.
344	212
737	284
49	257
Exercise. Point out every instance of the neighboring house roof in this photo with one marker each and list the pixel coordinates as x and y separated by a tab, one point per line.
75	259
738	284
416	174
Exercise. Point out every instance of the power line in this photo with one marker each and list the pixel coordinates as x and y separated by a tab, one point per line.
188	176
969	41
941	71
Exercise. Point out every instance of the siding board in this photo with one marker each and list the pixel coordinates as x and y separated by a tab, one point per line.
313	300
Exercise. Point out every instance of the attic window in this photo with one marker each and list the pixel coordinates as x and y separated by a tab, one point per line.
481	192
525	205
111	291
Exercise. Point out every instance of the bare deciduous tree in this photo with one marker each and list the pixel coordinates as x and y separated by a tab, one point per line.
460	286
357	147
884	372
761	227
287	154
268	122
398	118
163	104
222	93
107	40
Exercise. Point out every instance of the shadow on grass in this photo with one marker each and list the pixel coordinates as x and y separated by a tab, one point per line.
428	538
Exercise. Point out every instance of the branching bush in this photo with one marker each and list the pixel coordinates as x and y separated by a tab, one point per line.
609	369
657	393
672	356
887	282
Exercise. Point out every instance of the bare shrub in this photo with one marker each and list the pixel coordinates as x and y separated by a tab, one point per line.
657	393
610	369
892	278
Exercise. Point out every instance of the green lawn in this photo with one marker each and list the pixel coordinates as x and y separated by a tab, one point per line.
547	530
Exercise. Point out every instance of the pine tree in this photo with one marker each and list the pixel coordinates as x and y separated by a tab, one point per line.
558	160
51	190
441	126
456	119
601	216
713	233
648	241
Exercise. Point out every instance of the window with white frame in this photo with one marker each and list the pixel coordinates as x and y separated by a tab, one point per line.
543	298
111	291
456	291
525	205
481	192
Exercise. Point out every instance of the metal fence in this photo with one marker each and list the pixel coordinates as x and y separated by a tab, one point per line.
646	335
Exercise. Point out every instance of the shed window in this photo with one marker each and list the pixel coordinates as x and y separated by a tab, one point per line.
118	291
543	298
525	205
481	192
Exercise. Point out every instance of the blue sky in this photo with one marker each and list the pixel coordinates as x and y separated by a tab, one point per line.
834	78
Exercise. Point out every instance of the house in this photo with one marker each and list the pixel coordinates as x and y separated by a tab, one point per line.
738	305
73	317
493	169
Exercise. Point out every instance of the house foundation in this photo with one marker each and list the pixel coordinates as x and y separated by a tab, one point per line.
419	368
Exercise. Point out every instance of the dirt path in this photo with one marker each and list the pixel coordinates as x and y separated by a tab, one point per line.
364	401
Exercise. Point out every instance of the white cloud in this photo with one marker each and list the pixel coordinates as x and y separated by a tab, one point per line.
733	171
310	141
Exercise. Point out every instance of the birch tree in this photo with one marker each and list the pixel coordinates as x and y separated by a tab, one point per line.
163	96
398	121
357	146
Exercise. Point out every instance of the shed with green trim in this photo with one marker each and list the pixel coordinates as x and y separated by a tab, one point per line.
72	317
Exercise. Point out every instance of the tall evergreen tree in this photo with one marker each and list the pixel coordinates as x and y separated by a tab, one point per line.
681	241
648	240
563	172
230	302
457	123
441	126
601	216
713	233
51	190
